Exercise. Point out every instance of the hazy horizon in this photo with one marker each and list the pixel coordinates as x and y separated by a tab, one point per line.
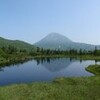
32	20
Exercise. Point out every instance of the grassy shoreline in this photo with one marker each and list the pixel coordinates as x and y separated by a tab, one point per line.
83	88
74	88
22	58
82	57
14	60
95	69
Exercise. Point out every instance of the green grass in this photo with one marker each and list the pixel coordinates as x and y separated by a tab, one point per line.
94	69
88	57
14	59
84	88
80	88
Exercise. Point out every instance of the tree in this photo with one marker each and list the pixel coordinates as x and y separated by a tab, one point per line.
80	52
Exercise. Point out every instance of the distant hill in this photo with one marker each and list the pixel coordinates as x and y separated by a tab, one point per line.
58	41
16	43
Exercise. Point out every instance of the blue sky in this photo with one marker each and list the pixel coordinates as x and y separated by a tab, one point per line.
31	20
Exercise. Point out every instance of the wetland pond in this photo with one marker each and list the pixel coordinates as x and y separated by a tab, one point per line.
45	69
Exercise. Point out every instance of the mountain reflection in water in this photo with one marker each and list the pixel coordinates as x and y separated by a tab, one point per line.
54	65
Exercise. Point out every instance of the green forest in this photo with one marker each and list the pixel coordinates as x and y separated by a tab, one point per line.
12	54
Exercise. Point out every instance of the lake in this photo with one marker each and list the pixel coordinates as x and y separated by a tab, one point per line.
45	69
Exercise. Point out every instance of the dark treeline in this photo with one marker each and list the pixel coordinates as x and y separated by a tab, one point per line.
12	54
41	51
11	50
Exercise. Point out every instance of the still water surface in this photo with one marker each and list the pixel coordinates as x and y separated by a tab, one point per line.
43	70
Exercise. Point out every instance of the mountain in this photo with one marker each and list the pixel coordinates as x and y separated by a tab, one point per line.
58	41
17	43
54	41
